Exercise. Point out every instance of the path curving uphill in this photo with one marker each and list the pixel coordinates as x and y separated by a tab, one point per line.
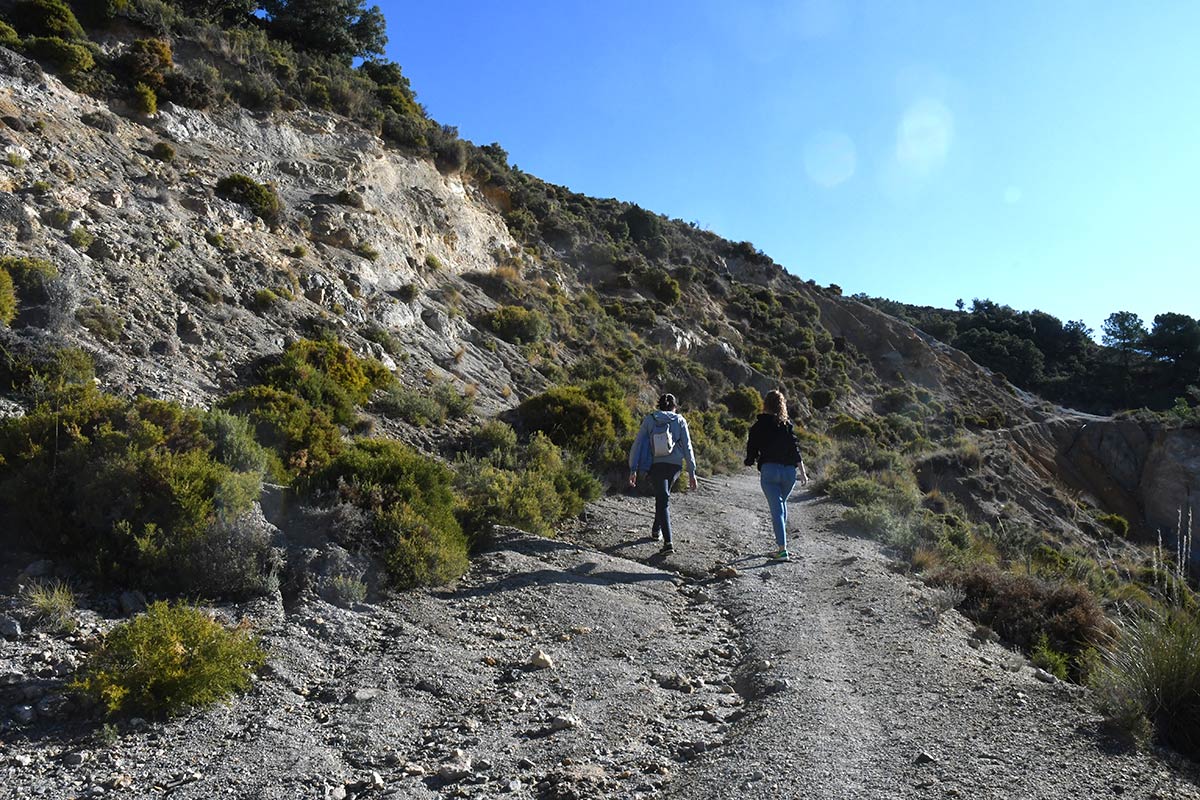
857	689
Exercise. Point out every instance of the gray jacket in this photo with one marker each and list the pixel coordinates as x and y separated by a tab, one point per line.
641	449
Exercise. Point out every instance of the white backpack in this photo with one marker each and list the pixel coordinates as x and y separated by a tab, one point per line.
662	440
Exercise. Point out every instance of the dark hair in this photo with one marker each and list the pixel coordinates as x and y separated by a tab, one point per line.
666	402
774	403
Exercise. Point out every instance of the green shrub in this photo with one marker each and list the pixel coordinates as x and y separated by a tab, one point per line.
880	521
744	402
367	251
169	659
495	441
52	604
821	398
163	151
344	590
81	238
261	199
544	489
412	406
233	442
1115	523
100	320
849	428
71	59
570	418
327	375
144	99
304	438
856	491
1049	659
414	526
8	299
147	61
8	36
1150	672
516	324
121	487
200	91
47	18
264	299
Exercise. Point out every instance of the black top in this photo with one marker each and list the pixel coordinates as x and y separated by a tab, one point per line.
772	442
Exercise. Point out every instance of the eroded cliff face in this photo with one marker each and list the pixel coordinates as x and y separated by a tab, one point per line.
369	236
1146	472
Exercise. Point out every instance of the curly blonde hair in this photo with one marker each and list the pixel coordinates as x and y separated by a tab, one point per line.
775	403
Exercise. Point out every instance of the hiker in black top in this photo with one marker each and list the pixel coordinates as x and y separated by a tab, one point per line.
773	447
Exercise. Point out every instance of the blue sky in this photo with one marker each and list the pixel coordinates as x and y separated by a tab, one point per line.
1040	154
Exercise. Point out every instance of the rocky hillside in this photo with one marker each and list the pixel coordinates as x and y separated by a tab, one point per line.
302	292
178	292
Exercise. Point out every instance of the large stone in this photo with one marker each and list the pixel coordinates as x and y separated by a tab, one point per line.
9	628
541	660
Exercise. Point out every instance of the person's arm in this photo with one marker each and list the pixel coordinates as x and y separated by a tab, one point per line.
637	455
752	446
635	458
685	438
799	459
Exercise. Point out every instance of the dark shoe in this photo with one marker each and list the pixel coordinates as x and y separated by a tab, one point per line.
667	548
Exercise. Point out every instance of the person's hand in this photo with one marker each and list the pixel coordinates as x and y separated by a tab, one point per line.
692	482
633	479
803	476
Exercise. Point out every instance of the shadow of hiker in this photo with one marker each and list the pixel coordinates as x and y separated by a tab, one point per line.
550	577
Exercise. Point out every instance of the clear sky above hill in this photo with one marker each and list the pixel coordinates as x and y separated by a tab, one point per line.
1040	154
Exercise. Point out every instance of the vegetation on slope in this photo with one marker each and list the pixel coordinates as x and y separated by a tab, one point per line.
1156	368
183	479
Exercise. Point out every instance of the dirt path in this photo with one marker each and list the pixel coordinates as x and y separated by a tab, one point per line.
857	689
590	667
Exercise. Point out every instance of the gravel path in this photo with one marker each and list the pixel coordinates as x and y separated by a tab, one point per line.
591	667
860	690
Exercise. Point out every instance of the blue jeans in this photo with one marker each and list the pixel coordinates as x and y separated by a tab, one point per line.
777	482
662	478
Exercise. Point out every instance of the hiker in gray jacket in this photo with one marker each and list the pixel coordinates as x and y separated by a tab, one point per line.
665	443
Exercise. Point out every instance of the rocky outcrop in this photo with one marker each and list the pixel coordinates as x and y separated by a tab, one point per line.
1146	472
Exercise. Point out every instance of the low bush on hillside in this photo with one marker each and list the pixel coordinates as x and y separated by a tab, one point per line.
47	18
1023	610
261	199
424	407
516	324
327	375
147	61
744	401
52	604
121	487
167	660
570	418
531	487
413	525
8	299
69	58
1148	676
300	436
